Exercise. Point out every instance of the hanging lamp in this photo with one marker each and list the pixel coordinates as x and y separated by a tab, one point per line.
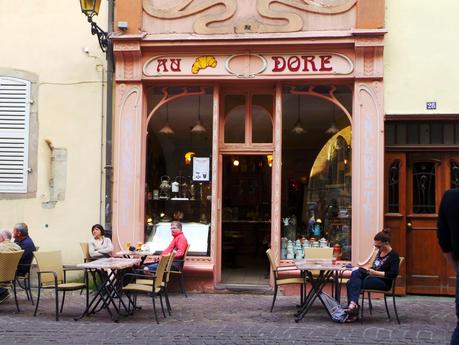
332	129
298	129
167	130
198	127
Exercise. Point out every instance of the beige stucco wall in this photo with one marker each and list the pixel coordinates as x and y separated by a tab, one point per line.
47	38
421	46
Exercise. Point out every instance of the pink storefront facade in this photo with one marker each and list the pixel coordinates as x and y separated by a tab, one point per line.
285	55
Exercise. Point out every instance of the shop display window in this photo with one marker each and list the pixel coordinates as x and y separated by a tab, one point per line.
316	173
178	167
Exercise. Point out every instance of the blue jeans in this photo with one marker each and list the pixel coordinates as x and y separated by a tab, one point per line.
355	284
455	337
154	266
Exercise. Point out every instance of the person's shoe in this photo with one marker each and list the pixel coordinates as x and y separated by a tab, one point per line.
4	296
352	310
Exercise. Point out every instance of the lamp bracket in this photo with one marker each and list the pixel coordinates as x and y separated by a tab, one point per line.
102	36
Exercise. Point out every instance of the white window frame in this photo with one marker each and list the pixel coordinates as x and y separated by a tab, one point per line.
14	134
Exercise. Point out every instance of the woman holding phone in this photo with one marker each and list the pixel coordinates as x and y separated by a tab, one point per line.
383	269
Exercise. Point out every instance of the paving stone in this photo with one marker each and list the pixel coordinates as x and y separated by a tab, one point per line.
213	319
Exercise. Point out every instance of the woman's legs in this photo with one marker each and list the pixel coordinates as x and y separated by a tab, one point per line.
354	285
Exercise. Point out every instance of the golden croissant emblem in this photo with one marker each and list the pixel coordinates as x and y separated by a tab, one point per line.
203	62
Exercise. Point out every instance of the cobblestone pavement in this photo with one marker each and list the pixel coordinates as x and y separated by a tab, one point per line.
226	319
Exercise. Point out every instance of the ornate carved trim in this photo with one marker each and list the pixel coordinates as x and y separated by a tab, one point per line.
264	9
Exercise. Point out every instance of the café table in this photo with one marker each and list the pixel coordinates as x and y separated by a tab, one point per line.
110	272
329	271
142	254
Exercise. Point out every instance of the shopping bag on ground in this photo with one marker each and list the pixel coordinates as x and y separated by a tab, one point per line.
337	312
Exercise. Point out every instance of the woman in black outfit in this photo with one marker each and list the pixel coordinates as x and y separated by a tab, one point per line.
383	269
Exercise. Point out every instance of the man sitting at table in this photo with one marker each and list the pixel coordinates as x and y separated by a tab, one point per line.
179	243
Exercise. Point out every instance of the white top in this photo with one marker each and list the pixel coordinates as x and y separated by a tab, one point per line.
100	248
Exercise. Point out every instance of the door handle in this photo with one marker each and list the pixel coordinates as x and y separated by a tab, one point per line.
409	226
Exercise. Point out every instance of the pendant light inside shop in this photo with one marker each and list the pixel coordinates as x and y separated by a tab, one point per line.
198	127
298	129
332	129
166	129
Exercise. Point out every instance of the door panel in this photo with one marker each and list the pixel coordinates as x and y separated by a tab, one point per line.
412	217
395	208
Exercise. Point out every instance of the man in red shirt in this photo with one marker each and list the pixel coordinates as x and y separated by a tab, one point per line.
179	243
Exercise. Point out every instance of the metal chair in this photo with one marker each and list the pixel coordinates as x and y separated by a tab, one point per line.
8	266
284	281
155	289
179	271
390	292
52	275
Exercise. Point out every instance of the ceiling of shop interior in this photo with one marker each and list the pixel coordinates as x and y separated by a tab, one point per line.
316	116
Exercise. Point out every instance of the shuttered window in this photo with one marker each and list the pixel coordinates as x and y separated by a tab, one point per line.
14	134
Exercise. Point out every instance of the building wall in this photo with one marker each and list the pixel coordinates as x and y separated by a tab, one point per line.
420	48
46	38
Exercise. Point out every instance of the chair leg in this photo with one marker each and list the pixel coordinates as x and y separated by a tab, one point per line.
63	299
15	295
370	305
38	300
361	307
168	305
387	309
154	308
274	298
56	292
395	309
162	305
182	285
29	289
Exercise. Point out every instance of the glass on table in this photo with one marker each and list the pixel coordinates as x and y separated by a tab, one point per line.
128	245
138	246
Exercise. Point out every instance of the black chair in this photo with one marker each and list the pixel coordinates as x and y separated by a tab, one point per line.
23	280
178	271
390	292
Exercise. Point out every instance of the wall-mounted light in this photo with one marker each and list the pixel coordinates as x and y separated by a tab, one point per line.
236	162
270	160
188	157
90	8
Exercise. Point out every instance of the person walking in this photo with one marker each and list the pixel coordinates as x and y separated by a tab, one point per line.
448	239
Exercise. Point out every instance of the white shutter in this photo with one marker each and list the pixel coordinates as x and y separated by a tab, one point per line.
14	134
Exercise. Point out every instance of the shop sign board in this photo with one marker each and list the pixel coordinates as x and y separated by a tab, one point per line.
249	65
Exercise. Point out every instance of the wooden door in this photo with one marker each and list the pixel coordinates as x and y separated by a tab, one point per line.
412	216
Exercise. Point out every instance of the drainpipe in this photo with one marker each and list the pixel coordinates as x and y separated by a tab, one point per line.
109	128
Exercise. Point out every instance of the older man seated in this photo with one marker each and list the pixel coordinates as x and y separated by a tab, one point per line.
6	246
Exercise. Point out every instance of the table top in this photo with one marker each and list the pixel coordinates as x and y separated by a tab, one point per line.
321	264
135	253
110	263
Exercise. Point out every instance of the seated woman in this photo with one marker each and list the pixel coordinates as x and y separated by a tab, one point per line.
383	270
100	246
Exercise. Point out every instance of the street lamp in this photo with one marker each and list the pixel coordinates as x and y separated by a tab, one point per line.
91	8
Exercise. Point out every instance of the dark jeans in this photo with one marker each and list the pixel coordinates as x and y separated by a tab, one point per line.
154	266
455	337
355	284
3	290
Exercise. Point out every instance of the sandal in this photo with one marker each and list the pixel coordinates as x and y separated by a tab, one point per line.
352	311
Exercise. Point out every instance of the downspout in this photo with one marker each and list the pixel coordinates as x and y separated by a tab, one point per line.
109	128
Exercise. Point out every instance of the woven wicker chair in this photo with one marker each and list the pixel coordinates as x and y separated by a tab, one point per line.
284	281
155	289
8	265
179	271
165	283
52	275
85	249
